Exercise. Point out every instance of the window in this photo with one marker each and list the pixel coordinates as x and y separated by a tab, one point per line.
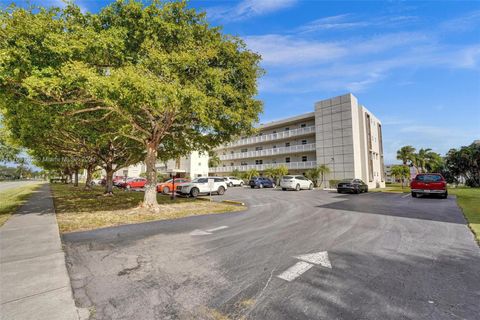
287	128
244	150
259	148
287	159
258	161
274	146
243	163
304	158
260	134
303	125
287	144
304	141
274	131
232	164
231	152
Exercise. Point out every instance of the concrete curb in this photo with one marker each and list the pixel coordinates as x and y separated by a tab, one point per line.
238	203
204	199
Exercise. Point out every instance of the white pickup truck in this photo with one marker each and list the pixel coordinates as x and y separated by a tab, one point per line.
200	186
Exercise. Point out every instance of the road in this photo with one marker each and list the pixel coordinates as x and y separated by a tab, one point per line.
391	256
15	184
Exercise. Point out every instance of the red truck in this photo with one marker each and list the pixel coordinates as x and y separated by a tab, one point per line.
429	183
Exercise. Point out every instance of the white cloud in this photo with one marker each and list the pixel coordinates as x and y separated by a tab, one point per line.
463	23
349	21
296	64
248	8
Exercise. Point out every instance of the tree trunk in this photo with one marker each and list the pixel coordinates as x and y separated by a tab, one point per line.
88	181
109	179
150	197
75	182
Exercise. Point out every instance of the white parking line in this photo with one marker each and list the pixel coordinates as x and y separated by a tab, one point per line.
217	228
295	271
407	195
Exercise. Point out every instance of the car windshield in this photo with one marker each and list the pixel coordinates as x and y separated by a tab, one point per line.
429	178
200	180
287	177
346	180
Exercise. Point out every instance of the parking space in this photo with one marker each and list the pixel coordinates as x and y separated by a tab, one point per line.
310	254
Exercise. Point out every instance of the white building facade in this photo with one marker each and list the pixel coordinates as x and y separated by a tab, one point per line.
340	133
193	166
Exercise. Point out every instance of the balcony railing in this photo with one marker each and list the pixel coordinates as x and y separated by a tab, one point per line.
261	167
272	136
269	152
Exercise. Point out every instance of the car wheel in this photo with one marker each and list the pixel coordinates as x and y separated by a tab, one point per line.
284	189
241	184
414	194
445	195
166	190
230	184
297	188
339	191
310	187
366	189
252	187
194	192
356	191
221	190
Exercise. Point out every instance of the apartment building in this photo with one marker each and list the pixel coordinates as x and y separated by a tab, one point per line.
340	133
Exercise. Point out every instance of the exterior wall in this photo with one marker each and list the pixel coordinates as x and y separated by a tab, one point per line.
195	165
335	134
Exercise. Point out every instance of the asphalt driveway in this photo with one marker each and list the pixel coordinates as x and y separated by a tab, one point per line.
291	255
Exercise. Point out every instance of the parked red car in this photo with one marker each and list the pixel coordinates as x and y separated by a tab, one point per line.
429	183
133	183
167	186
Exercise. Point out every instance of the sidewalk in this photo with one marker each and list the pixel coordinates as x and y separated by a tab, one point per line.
34	282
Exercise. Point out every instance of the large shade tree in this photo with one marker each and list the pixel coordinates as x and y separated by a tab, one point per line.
175	83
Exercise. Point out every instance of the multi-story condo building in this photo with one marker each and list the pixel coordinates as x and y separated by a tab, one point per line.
340	133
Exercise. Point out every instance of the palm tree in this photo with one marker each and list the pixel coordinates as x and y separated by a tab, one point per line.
406	154
213	160
317	174
424	157
401	172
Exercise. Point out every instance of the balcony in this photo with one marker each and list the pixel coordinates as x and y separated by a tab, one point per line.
262	167
269	152
273	136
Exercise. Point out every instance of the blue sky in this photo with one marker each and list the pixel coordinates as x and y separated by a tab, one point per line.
415	65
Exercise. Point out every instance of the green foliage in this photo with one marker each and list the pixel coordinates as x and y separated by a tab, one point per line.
237	174
332	183
247	175
317	174
213	160
406	154
401	172
166	79
275	173
463	164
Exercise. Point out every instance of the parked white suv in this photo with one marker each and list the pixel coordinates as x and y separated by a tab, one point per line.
200	186
296	183
233	181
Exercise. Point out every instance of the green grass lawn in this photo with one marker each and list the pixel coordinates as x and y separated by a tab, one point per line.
468	200
11	199
79	209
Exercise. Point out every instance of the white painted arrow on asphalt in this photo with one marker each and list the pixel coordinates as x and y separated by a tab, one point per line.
308	260
320	258
199	232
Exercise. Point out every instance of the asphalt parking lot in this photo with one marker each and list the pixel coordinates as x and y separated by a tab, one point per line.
291	255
